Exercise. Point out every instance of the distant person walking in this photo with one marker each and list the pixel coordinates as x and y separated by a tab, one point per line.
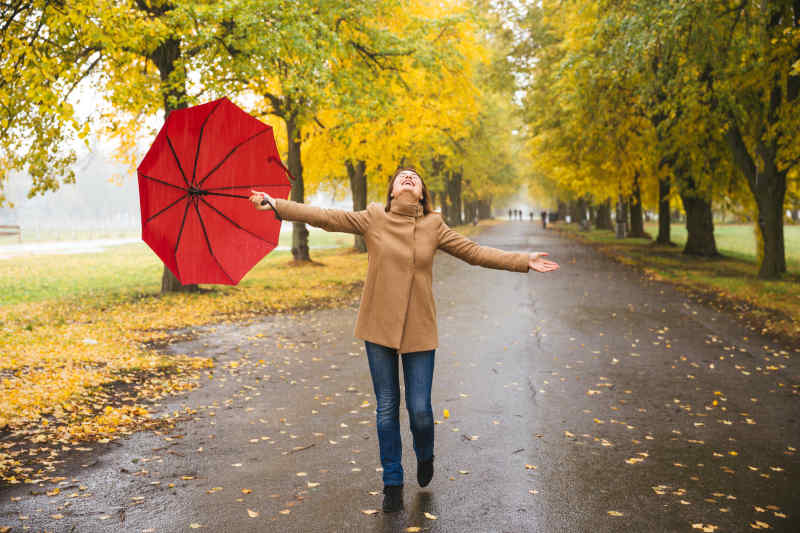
544	219
397	316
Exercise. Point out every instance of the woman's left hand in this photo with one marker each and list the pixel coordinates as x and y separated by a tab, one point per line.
539	264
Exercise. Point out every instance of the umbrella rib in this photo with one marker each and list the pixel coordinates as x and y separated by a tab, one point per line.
231	153
170	205
223	215
208	242
162	182
200	140
172	149
180	232
246	186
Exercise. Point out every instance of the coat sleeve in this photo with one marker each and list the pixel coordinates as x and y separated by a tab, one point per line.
473	253
327	219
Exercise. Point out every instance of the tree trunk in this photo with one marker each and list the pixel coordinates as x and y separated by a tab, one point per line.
165	57
445	208
454	192
573	208
699	225
603	220
358	187
622	217
300	232
768	186
484	209
637	221
769	199
561	214
664	222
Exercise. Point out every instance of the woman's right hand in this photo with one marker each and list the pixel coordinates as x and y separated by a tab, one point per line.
258	200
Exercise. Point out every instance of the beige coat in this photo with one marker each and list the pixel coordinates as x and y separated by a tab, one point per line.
397	308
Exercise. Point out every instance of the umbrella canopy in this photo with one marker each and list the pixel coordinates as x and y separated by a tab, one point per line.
192	180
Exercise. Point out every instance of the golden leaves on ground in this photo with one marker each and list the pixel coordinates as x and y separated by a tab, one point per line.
705	527
252	514
706	411
614	513
63	360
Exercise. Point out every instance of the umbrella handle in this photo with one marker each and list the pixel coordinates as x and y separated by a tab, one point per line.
264	201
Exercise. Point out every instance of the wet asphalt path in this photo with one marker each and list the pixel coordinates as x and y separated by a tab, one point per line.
587	400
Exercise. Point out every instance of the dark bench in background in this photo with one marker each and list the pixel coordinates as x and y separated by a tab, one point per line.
11	230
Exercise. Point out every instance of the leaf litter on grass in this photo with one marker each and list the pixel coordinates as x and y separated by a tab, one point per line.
57	388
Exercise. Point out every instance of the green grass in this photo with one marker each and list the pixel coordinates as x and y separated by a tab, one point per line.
738	240
119	269
318	237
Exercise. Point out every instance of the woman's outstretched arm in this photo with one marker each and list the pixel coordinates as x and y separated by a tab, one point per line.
473	253
327	219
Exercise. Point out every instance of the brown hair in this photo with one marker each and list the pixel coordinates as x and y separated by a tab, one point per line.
425	200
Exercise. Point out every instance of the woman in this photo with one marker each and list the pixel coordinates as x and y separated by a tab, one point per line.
397	318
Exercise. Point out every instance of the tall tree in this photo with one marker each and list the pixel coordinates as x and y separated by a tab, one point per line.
305	56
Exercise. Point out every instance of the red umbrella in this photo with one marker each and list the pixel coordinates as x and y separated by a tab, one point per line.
191	181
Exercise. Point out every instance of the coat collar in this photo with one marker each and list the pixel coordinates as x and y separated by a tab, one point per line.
405	204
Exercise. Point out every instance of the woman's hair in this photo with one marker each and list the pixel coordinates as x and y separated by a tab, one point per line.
424	200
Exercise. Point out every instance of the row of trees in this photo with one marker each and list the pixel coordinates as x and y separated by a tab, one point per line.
646	100
355	87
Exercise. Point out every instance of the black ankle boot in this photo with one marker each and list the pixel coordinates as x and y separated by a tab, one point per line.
393	498
424	472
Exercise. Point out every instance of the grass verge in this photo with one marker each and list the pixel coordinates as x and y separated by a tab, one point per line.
770	306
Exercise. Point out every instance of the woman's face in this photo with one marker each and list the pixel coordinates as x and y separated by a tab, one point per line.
407	180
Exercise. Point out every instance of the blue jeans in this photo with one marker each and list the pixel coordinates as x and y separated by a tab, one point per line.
418	377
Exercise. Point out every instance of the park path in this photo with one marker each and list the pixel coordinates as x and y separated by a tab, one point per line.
590	399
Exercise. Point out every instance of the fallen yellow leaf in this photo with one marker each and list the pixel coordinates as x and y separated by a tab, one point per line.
252	514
